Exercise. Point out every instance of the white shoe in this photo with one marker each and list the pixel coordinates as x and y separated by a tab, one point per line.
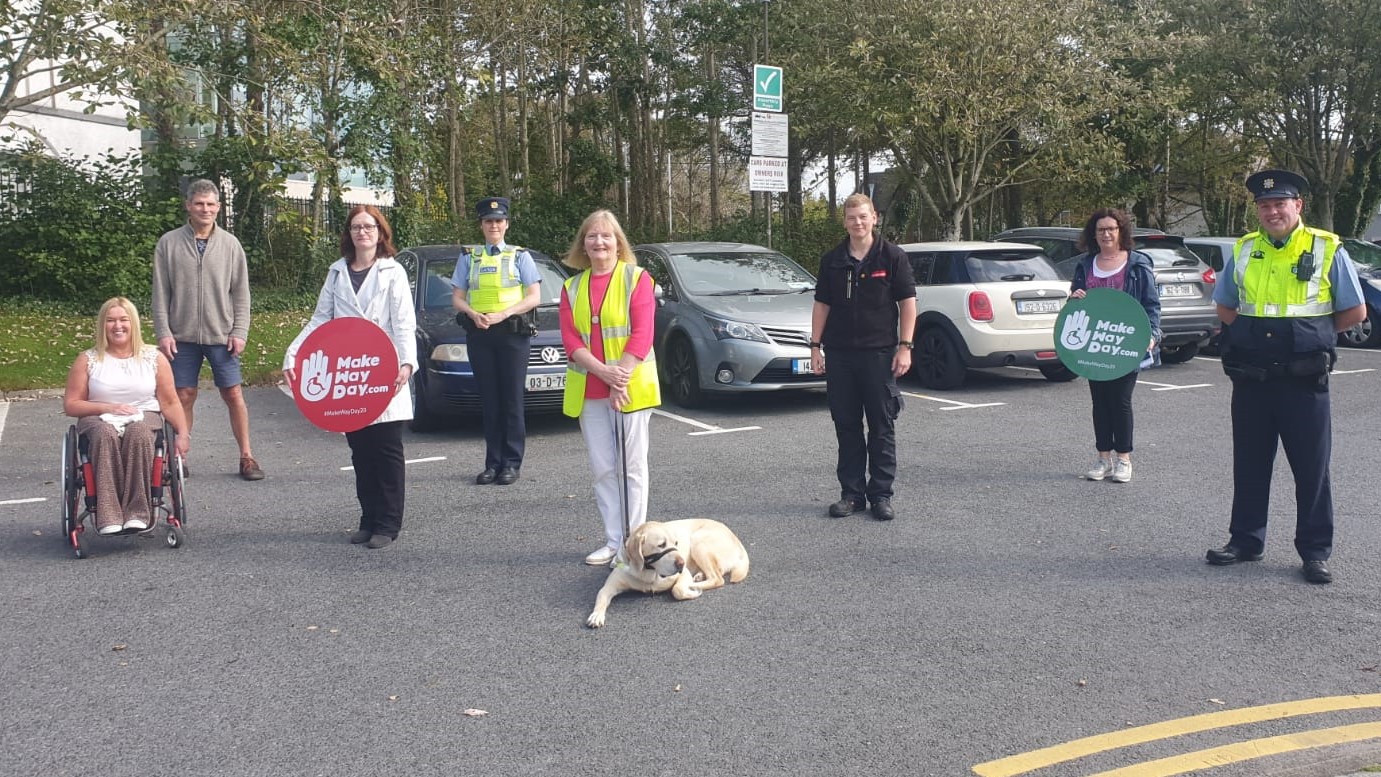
1122	471
134	524
114	528
602	556
1101	468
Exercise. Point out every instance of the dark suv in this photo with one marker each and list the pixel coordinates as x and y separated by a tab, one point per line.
1188	317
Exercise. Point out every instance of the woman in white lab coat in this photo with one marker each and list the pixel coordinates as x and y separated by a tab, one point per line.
367	282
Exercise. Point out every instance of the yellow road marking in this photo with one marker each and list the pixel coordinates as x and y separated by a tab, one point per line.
1246	751
1079	748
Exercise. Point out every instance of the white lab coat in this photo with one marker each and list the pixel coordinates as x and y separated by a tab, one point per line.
384	298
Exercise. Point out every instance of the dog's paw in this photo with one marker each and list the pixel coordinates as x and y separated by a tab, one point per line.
595	620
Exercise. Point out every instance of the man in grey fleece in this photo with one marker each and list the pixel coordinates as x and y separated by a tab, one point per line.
201	310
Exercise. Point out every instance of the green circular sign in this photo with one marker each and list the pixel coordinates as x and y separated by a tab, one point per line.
1103	336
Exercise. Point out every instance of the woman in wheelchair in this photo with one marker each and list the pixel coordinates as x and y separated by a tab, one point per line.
121	391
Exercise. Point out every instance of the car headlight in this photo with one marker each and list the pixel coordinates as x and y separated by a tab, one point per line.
725	329
451	352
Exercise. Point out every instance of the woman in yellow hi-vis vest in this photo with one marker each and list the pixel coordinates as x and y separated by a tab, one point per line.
607	315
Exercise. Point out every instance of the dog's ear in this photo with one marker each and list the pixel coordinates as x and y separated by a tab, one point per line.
633	548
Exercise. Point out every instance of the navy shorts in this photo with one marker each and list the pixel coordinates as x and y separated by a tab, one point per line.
225	369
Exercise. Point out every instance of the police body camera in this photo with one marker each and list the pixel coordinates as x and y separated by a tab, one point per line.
1304	269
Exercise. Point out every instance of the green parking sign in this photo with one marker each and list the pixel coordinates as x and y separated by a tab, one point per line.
767	88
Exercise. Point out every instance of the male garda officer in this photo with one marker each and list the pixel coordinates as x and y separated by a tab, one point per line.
493	286
1283	297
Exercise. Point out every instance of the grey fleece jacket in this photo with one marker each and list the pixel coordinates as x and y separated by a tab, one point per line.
200	299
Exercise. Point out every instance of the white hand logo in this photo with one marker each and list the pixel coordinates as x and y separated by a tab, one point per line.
316	377
1076	334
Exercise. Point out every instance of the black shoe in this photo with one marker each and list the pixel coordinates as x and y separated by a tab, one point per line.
360	536
846	506
506	476
882	510
379	541
1317	572
486	477
1230	554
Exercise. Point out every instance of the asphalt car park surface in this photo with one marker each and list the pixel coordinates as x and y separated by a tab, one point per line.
1011	606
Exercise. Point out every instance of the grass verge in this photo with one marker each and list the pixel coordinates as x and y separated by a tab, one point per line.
39	348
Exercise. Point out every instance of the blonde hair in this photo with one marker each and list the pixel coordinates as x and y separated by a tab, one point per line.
859	200
136	336
577	257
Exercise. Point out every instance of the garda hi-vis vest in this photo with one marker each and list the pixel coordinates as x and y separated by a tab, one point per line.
494	281
615	327
1272	295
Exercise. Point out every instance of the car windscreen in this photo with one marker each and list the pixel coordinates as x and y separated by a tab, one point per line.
1009	267
740	273
1367	256
1165	254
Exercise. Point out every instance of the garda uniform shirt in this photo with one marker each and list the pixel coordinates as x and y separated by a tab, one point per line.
863	295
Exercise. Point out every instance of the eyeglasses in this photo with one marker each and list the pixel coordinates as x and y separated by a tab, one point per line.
364	227
1106	230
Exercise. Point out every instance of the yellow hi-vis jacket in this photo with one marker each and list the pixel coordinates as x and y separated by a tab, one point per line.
494	281
615	328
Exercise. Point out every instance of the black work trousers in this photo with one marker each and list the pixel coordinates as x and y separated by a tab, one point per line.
860	386
499	359
1112	412
1292	412
380	476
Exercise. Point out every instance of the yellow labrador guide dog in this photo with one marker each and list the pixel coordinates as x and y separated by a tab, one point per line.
689	557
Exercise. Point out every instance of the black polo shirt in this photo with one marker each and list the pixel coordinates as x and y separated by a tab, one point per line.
863	295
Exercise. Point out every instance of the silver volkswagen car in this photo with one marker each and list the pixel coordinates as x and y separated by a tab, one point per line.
730	317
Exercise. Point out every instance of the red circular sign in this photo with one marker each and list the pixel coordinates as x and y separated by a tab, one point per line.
345	374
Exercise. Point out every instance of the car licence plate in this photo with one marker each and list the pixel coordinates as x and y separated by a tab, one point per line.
546	382
1179	290
800	367
1039	305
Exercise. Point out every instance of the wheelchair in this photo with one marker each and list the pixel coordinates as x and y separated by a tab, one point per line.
167	500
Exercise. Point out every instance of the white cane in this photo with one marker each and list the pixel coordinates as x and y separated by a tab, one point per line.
623	472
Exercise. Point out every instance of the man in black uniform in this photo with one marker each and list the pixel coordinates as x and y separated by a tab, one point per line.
1283	297
865	290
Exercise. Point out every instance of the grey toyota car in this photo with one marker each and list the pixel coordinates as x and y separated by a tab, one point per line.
731	318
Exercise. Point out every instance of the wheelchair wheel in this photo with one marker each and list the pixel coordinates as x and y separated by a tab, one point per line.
71	494
176	493
175	536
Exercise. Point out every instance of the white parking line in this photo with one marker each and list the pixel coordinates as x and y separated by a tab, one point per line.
1353	372
30	500
4	413
706	428
953	404
408	461
1172	386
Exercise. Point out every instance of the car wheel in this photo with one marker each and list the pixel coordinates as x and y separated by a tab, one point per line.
682	382
424	419
936	361
1179	354
1057	373
1363	335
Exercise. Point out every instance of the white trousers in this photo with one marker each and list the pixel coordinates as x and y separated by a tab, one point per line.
599	424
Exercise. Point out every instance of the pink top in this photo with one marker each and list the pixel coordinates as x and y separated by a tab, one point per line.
1101	280
640	318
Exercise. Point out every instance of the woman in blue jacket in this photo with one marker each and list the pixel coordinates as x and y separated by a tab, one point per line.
1112	264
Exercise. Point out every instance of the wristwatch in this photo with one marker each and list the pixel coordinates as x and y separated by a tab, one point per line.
814	344
906	344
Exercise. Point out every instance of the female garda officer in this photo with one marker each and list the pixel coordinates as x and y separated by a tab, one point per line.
493	286
607	316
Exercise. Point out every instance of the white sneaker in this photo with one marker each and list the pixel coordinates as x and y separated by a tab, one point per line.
1101	468
1122	471
602	556
134	524
114	528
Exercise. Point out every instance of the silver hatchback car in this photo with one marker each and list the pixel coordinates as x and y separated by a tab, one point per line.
730	318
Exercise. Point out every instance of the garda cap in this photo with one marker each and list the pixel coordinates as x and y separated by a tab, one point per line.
492	208
1276	185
